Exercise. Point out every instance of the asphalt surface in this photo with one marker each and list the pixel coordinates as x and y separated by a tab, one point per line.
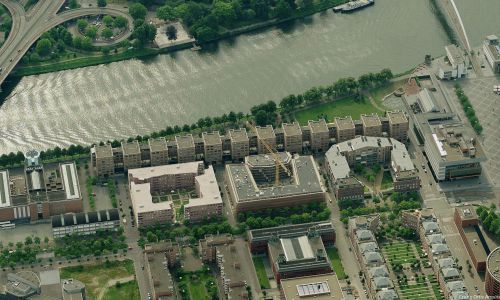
27	27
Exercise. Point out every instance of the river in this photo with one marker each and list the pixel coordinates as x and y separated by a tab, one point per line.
137	97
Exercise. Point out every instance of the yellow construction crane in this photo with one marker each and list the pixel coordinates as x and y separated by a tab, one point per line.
277	159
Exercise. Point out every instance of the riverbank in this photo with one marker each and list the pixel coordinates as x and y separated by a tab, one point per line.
98	59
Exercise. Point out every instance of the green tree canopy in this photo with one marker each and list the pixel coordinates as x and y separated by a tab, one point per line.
43	47
107	33
82	24
165	13
108	20
120	22
102	3
137	11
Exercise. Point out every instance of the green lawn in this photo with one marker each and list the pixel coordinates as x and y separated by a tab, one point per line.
379	93
258	262
333	255
386	181
399	252
129	290
338	108
416	292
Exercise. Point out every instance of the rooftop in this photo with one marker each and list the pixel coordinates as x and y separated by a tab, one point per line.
290	231
267	160
306	180
131	148
266	132
103	150
427	101
467	212
238	135
72	219
396	117
230	256
173	169
208	189
493	264
493	48
184	141
157	145
4	189
401	160
317	126
370	120
472	237
319	287
292	129
337	163
160	275
212	138
454	55
344	123
142	200
362	142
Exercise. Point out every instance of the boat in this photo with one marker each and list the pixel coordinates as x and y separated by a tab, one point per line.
352	6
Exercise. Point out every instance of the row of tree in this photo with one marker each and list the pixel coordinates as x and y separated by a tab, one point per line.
470	113
103	242
490	219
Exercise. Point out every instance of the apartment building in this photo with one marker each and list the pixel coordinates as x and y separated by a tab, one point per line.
467	223
372	126
158	258
212	147
398	125
103	160
240	144
265	135
208	204
207	245
131	155
346	129
292	137
147	212
158	151
186	151
320	135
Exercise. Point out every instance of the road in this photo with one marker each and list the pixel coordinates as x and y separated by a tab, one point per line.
27	27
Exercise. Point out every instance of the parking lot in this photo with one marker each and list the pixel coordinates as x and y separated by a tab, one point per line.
485	103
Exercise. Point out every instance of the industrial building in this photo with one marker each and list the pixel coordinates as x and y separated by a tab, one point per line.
85	223
454	65
38	191
450	146
212	147
492	280
491	50
160	180
318	287
251	185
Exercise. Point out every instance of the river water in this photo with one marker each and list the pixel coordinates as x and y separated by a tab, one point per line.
133	97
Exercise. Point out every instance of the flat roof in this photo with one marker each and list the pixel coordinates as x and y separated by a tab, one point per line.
160	275
297	248
212	138
475	244
142	199
337	163
267	160
467	212
159	144
131	148
184	141
317	126
265	234
4	189
291	129
70	181
401	160
493	264
344	123
396	117
234	270
319	287
454	54
371	120
208	189
102	151
494	51
238	135
427	101
306	180
172	169
266	132
368	141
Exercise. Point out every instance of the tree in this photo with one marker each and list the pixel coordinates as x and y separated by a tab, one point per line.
86	43
43	47
138	11
224	12
28	241
82	24
145	33
120	22
108	21
261	118
204	34
73	4
107	33
165	13
91	32
77	42
283	9
105	50
171	32
102	3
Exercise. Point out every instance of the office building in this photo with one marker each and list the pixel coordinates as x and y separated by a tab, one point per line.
158	151
85	223
212	147
451	147
319	135
249	192
292	137
491	50
318	287
492	280
398	125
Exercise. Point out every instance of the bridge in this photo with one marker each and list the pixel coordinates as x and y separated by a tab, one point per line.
27	27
